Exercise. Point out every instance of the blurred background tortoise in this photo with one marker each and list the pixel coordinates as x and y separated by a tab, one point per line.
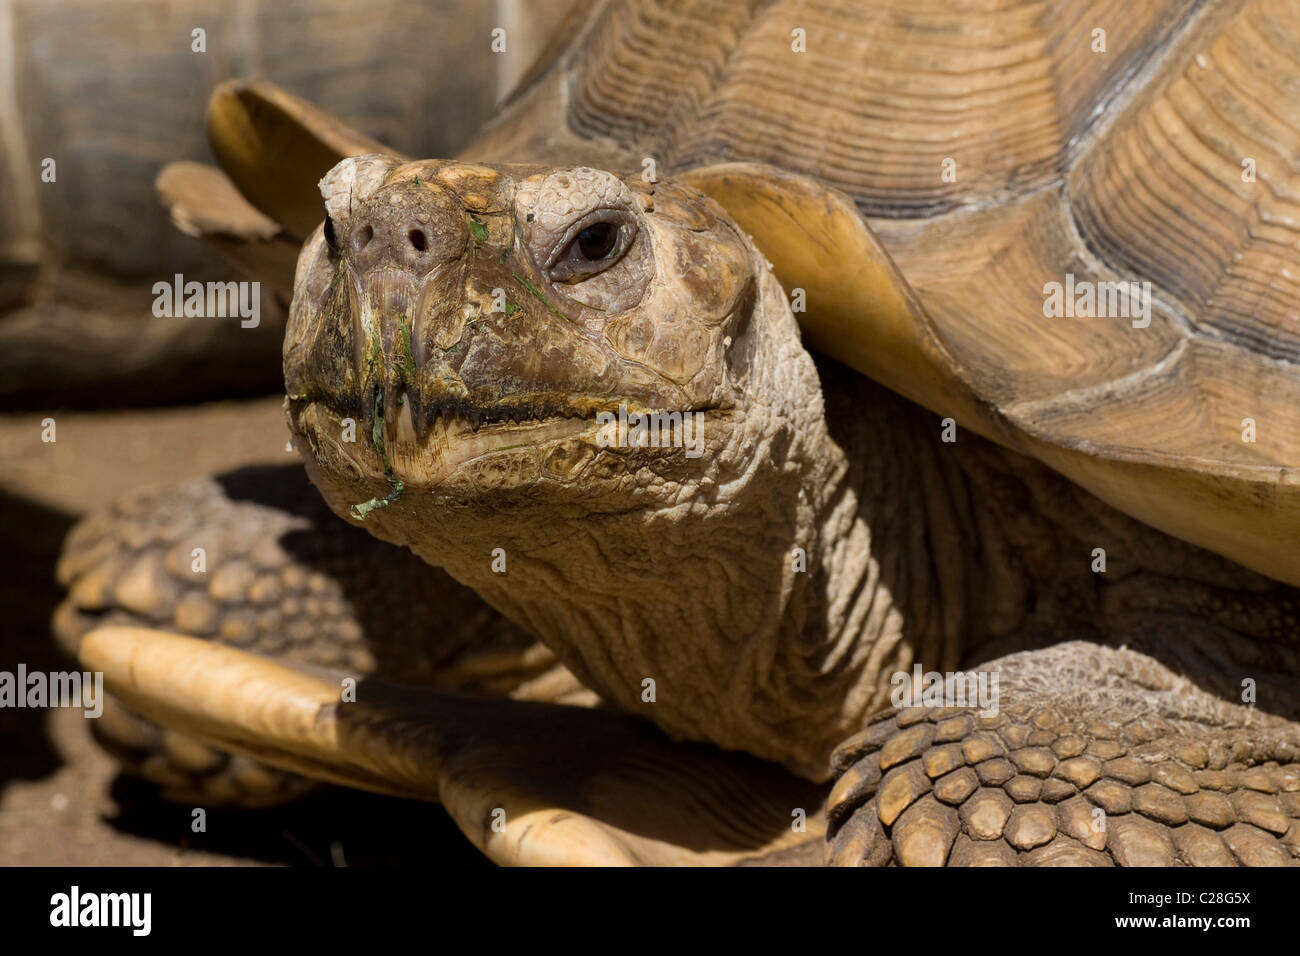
107	92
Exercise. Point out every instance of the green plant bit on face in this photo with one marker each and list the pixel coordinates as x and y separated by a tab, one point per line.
478	230
417	181
511	308
538	293
374	355
395	486
408	358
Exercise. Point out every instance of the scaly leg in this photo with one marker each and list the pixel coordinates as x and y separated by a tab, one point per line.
1097	756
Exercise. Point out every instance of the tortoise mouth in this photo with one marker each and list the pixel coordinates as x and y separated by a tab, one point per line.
388	444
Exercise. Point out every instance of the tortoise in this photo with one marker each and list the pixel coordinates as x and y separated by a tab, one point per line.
918	564
80	254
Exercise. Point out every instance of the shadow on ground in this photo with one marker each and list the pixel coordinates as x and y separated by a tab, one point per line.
334	827
30	535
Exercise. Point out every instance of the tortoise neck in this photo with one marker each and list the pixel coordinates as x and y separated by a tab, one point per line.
890	565
766	606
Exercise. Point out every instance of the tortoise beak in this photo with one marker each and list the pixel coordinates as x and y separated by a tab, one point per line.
396	258
386	306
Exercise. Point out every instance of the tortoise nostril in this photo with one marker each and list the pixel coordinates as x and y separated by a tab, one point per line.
417	239
364	235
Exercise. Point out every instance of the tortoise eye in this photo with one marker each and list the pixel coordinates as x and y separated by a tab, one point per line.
592	245
597	241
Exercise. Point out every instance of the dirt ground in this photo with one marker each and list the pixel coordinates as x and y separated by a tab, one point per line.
61	799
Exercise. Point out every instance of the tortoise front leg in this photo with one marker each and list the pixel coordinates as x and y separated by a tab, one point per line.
255	560
526	782
1096	757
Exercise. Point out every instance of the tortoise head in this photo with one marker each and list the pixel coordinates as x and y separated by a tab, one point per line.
475	310
582	394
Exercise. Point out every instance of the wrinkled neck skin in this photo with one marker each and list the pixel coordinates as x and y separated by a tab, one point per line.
746	583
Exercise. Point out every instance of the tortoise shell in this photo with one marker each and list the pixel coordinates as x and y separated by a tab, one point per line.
1012	162
1072	229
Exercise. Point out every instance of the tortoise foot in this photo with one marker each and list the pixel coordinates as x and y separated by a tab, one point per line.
1095	757
253	559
